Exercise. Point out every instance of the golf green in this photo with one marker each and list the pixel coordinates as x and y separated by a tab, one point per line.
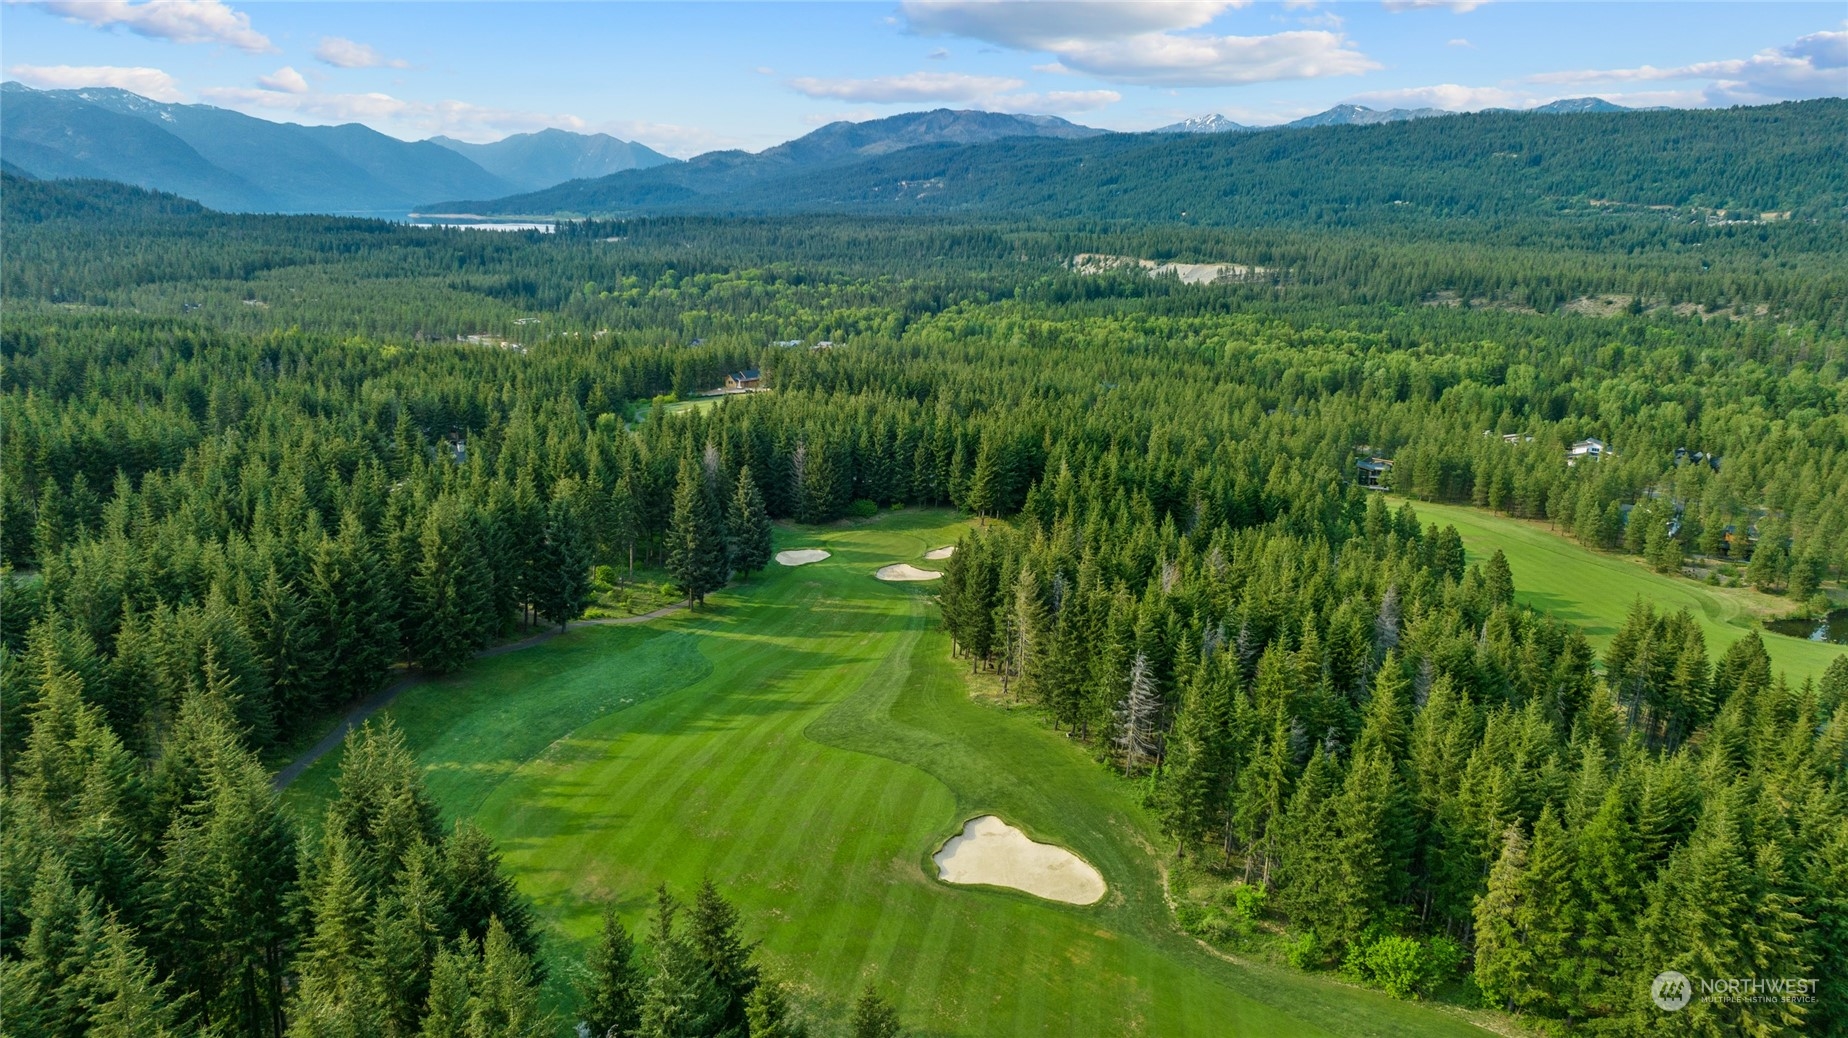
806	741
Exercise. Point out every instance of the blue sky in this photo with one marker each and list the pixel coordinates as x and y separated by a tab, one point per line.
690	77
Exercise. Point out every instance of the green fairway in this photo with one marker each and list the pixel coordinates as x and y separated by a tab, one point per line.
806	741
1595	590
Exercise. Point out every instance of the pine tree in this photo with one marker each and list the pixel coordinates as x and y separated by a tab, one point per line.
1500	579
1504	964
768	1012
481	893
610	988
505	1002
226	880
748	526
47	990
1260	800
335	995
712	927
562	588
452	976
124	996
695	541
874	1017
1195	776
682	1000
407	937
446	619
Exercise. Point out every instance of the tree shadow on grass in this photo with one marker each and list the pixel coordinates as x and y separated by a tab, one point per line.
1559	607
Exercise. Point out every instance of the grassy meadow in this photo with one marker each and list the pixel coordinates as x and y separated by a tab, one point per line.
1595	590
807	742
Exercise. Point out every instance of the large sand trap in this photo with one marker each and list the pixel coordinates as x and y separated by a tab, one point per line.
941	553
993	852
801	556
905	571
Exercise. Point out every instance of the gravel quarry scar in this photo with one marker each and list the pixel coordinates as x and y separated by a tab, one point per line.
800	556
990	851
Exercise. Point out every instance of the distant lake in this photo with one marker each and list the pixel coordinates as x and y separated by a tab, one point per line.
1831	628
543	228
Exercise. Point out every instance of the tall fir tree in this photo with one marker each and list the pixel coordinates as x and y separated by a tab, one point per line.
747	526
695	537
610	985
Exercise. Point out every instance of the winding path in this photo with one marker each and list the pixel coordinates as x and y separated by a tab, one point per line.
357	714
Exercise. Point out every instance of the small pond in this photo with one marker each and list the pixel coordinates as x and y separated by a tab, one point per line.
1830	628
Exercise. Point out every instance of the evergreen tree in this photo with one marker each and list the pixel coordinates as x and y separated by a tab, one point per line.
695	540
452	976
1505	967
610	988
505	995
125	997
874	1017
481	893
748	526
682	999
562	583
768	1012
449	620
712	927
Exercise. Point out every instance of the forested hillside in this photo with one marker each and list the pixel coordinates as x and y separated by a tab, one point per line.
1492	167
251	468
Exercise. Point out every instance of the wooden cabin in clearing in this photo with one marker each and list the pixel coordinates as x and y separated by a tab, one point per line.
750	378
1371	472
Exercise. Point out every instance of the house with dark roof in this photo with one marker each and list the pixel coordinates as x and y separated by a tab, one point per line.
750	378
1371	472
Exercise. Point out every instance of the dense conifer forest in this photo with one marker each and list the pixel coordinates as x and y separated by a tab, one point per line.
256	466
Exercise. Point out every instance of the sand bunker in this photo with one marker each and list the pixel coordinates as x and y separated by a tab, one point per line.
906	571
801	556
941	553
993	852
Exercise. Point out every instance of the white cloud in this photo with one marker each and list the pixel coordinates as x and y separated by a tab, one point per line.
1141	42
180	21
1459	42
285	79
1053	102
911	87
1045	24
990	93
341	52
148	82
1455	6
1162	59
1812	66
1448	96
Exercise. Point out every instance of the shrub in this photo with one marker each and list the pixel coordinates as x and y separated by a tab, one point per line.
1403	966
863	509
1394	963
1305	952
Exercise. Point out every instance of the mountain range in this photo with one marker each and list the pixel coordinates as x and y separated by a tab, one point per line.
1348	165
1361	115
235	162
1485	166
725	172
530	161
